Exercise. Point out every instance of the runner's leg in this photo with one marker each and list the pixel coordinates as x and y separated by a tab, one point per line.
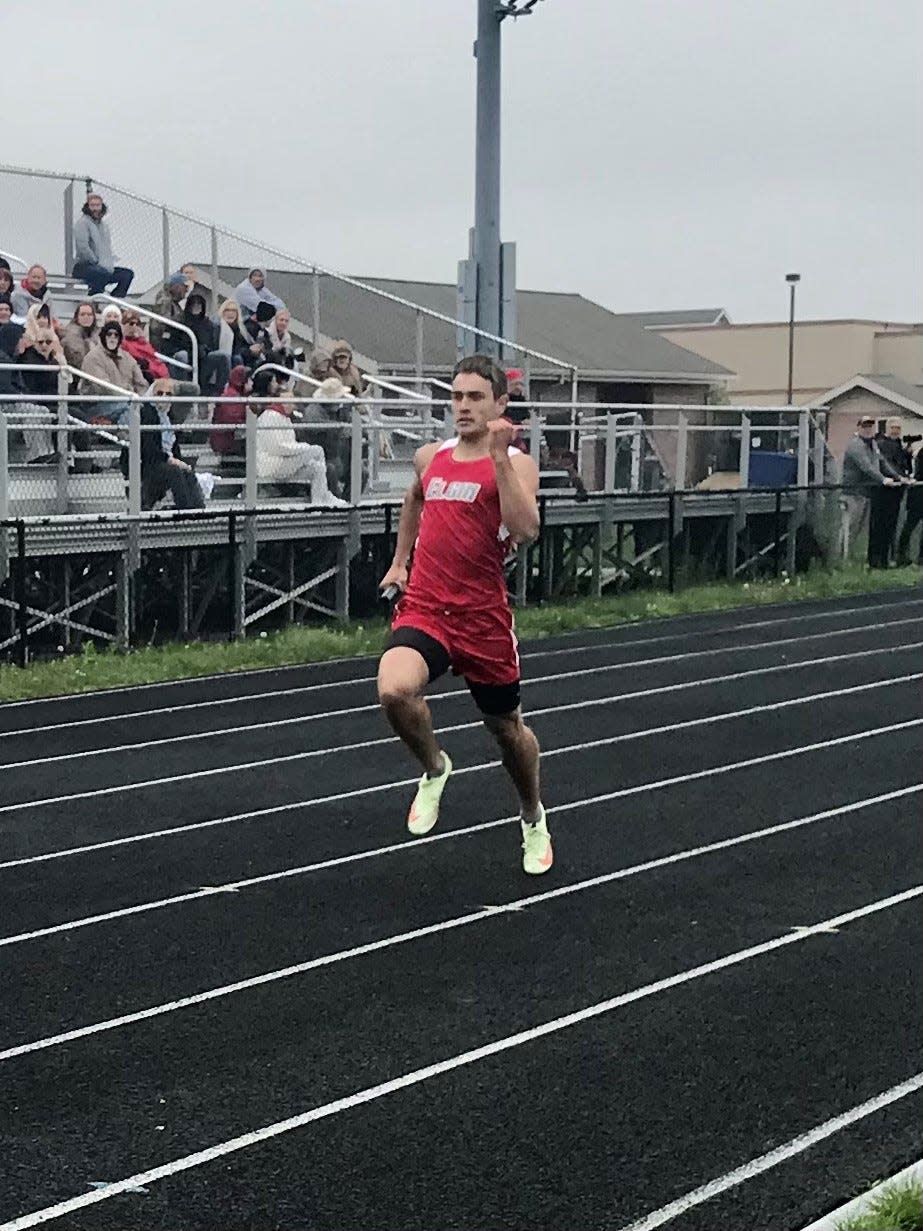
403	673
520	754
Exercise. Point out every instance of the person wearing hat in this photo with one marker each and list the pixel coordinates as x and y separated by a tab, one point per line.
889	500
169	304
109	362
865	473
94	260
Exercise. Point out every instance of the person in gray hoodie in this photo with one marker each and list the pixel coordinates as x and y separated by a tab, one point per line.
94	260
865	473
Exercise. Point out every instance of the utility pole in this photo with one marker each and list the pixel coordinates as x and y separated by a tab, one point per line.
792	280
487	279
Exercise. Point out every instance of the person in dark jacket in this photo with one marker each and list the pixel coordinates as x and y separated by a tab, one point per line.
6	309
41	383
214	367
162	466
886	501
914	513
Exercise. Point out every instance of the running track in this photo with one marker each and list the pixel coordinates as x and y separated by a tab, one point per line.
237	994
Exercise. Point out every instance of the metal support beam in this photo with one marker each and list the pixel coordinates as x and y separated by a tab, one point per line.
214	256
682	449
744	451
123	601
487	173
341	583
165	231
315	308
69	228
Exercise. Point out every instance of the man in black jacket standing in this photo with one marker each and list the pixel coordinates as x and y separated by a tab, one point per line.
886	501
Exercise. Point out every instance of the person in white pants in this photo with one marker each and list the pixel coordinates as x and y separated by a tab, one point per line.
280	456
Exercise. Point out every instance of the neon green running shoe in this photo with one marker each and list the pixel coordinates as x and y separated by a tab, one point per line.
424	811
537	855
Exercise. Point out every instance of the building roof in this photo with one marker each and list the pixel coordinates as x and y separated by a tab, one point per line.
889	388
682	319
581	333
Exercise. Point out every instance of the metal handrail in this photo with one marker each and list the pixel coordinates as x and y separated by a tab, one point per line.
304	265
164	320
11	256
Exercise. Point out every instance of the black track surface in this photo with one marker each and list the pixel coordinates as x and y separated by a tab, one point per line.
160	853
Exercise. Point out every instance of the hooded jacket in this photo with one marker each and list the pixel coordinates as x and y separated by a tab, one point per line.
352	377
118	368
23	298
231	412
205	330
92	241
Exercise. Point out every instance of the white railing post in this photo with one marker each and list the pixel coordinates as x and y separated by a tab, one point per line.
744	451
165	230
134	459
214	256
355	456
61	445
802	448
418	352
682	449
636	431
315	308
250	478
535	435
612	444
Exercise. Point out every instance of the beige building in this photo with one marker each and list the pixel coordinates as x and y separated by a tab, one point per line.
827	353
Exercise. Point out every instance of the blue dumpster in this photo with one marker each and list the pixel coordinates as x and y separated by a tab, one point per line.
772	469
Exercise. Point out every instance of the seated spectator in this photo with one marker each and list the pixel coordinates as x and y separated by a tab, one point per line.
41	382
33	292
38	321
80	333
320	364
347	371
108	361
516	410
94	260
162	466
282	345
214	367
232	444
231	339
6	309
110	312
253	291
7	282
169	304
280	457
137	345
330	404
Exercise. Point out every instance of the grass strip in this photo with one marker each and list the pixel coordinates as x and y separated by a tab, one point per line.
898	1207
93	669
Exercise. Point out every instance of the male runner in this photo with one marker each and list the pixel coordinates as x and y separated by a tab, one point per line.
472	498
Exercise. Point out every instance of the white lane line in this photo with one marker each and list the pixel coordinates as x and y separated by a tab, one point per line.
211	891
369	680
418	1076
302	719
781	1154
300	805
485	912
288	758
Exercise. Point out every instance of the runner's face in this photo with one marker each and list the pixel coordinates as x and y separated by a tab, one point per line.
474	405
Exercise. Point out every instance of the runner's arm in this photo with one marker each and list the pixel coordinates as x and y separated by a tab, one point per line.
409	523
517	485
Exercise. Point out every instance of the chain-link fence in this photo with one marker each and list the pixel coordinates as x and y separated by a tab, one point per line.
388	333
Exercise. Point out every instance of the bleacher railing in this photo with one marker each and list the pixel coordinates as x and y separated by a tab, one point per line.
156	240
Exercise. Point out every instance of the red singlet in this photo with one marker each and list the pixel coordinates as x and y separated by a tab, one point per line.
457	589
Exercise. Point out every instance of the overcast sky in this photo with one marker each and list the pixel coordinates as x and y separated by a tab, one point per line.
658	154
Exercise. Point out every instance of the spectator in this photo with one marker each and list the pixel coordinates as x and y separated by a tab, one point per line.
253	291
231	340
280	457
162	466
80	334
331	404
914	513
169	305
110	312
7	284
107	361
864	472
42	383
6	309
214	367
94	260
232	444
38	321
886	503
33	292
320	365
282	345
347	371
140	349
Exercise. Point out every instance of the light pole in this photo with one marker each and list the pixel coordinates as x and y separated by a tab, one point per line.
481	284
792	280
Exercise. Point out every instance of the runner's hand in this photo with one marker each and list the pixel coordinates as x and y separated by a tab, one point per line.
502	435
395	576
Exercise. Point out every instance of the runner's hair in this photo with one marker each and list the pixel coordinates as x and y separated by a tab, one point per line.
488	368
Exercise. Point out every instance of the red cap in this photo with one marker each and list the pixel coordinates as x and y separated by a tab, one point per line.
514	374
